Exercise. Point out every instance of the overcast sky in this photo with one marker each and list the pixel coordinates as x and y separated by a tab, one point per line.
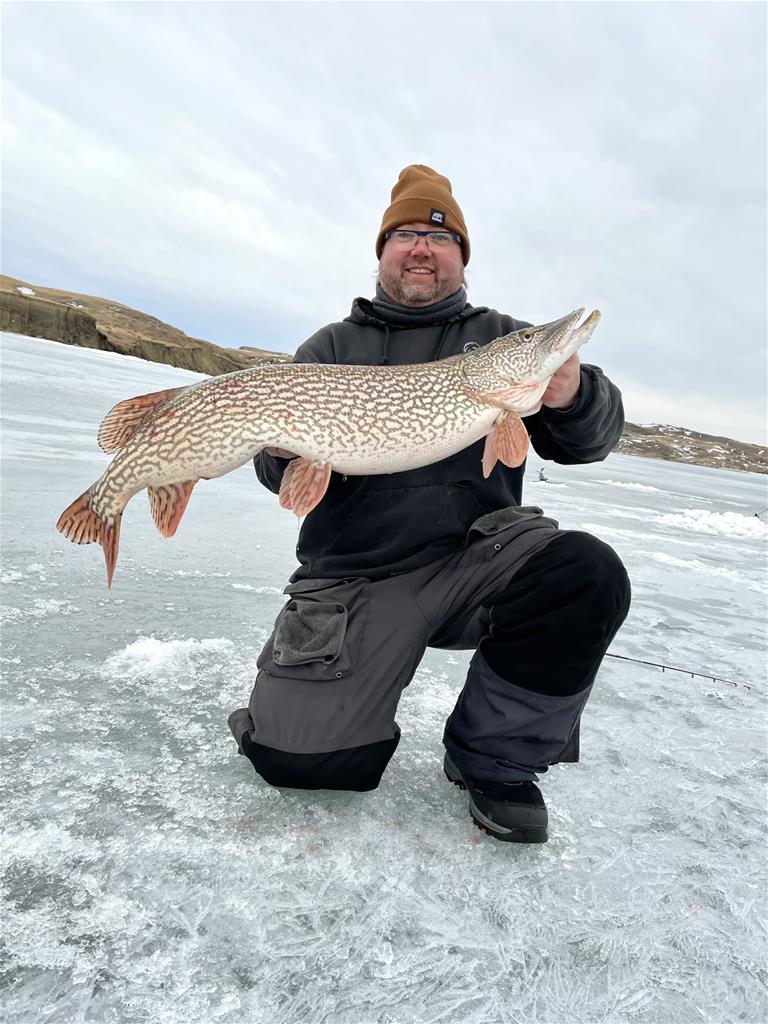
225	166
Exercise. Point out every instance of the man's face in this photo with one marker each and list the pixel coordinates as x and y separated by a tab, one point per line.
419	276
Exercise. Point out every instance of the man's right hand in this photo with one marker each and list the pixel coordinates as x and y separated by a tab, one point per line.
280	453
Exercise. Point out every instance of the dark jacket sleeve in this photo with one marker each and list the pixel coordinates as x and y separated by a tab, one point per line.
317	349
585	432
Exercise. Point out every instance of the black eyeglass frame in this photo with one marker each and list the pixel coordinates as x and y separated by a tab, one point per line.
422	234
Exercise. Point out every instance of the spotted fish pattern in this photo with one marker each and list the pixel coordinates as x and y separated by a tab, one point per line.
355	420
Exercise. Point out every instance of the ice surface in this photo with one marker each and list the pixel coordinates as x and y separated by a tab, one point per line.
149	876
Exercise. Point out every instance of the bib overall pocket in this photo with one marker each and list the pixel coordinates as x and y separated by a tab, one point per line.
494	531
315	631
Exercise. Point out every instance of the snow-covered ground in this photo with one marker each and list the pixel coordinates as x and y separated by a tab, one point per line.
150	876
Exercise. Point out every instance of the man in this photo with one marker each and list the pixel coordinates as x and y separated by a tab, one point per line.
438	557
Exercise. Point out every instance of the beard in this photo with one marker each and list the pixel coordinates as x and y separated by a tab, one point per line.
416	291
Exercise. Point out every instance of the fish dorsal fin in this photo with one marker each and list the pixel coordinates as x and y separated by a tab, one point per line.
168	503
508	441
122	422
304	485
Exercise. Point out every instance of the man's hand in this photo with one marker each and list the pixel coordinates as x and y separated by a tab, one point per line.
563	388
280	453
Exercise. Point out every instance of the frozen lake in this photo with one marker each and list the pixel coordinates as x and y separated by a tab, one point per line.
150	876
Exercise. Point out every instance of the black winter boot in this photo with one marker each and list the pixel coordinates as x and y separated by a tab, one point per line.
514	812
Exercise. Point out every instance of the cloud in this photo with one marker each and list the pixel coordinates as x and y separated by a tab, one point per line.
230	164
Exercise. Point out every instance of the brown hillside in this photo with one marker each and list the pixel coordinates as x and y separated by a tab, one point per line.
91	322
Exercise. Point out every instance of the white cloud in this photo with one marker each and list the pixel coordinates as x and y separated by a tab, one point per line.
234	161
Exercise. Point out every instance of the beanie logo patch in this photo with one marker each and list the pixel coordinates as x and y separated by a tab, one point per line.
437	217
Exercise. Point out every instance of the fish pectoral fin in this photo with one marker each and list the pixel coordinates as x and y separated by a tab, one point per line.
508	441
509	398
304	485
168	504
489	454
122	422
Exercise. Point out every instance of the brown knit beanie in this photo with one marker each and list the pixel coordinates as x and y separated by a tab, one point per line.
422	196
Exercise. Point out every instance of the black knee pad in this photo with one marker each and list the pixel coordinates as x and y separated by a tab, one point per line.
358	769
553	622
596	567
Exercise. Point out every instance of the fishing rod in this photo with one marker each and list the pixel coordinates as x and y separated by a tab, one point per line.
685	671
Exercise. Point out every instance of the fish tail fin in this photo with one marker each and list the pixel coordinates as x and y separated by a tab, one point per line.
168	504
110	542
82	525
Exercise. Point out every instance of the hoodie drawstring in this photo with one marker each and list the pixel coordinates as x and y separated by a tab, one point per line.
385	357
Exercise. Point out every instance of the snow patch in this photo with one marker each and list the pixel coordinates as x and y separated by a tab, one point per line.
25	291
696	565
172	661
730	524
257	590
632	486
41	608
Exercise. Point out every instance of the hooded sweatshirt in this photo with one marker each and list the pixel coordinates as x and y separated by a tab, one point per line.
377	526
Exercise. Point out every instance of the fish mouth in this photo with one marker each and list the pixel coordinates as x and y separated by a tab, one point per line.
567	335
584	331
562	327
561	339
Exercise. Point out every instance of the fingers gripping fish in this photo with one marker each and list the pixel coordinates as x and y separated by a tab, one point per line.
356	420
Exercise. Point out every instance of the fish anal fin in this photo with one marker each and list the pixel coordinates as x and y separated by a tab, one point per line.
122	421
304	485
507	441
168	503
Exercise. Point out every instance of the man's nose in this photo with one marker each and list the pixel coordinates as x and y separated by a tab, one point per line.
421	246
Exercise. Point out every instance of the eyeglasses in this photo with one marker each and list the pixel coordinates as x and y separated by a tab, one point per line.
436	239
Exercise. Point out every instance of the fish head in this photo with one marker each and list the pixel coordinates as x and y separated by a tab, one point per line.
513	371
533	354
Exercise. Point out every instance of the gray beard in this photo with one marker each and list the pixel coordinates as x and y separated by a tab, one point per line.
415	295
397	315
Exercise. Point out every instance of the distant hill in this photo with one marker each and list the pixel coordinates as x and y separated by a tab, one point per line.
677	444
90	322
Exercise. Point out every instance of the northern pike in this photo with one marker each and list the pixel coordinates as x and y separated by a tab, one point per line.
355	420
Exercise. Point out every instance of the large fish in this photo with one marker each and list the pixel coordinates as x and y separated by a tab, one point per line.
356	420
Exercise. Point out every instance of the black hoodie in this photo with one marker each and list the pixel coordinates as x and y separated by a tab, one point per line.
376	526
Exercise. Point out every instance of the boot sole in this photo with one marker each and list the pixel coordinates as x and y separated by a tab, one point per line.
491	828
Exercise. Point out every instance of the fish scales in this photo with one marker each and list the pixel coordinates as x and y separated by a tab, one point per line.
356	420
359	417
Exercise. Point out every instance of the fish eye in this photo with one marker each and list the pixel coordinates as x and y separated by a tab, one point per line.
527	336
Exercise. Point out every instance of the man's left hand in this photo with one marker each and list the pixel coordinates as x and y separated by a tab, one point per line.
563	388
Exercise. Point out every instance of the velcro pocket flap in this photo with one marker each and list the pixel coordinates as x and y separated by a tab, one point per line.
309	631
517	518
